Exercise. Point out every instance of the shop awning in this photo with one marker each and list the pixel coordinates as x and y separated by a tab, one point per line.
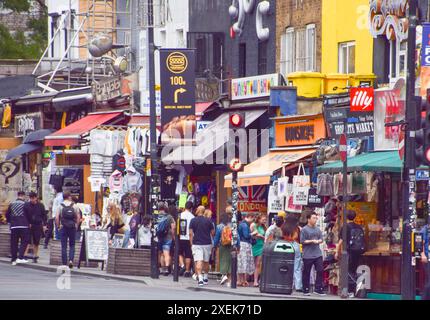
66	99
213	137
71	134
22	149
201	107
35	99
383	161
261	170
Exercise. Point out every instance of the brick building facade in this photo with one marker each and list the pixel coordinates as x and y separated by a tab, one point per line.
297	19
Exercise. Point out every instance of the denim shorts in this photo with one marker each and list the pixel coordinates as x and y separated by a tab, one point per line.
164	245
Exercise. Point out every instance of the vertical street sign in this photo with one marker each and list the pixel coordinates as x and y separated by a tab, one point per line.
177	80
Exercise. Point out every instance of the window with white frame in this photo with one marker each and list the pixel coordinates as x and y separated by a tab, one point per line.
298	50
398	59
310	47
347	57
300	64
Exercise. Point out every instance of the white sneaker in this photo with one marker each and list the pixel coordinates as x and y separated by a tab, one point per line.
228	285
21	261
14	263
223	280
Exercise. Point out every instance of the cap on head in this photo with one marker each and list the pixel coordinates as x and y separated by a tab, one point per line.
282	214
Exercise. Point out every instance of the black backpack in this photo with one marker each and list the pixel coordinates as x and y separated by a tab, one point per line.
67	216
356	242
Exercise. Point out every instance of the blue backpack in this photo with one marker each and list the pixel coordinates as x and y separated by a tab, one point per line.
163	227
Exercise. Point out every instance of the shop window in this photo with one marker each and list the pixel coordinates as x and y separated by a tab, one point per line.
262	57
209	51
347	57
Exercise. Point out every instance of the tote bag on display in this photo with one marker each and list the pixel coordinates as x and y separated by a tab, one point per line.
301	179
289	205
282	186
301	185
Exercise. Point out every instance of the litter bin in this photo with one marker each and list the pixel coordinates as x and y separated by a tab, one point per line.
278	268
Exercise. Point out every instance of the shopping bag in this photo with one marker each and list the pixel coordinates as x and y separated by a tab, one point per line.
274	202
56	180
300	196
301	179
290	206
282	186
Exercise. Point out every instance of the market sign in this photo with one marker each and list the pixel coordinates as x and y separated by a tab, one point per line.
107	89
26	123
253	87
177	87
337	110
299	130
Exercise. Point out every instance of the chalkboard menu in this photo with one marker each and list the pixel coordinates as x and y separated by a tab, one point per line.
96	245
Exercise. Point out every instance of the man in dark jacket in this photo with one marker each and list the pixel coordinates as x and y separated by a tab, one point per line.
19	224
36	211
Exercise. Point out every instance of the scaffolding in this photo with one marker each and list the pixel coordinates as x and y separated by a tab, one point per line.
76	67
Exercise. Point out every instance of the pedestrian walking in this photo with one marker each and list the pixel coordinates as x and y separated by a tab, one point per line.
223	241
38	219
291	233
201	233
245	260
258	231
354	247
311	238
185	253
19	228
66	220
52	231
165	234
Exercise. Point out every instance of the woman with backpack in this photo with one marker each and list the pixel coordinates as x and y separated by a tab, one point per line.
258	231
223	240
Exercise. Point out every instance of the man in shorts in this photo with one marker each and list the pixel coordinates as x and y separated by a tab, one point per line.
38	217
201	233
185	254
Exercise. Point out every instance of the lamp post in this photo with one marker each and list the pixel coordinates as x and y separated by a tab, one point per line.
154	184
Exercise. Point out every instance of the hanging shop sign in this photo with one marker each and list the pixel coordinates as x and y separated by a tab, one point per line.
389	18
297	131
253	87
201	125
108	89
252	199
337	109
362	99
389	107
177	92
26	123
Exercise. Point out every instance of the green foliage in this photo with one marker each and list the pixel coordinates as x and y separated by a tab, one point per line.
16	5
18	46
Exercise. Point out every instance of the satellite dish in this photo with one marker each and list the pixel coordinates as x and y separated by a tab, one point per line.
100	45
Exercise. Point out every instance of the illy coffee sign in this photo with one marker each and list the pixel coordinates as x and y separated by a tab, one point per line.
362	99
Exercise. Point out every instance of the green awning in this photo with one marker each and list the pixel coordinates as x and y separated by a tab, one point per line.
383	161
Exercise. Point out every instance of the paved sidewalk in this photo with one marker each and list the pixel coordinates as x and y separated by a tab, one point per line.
165	281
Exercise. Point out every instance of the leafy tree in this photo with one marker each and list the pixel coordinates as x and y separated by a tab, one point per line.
18	46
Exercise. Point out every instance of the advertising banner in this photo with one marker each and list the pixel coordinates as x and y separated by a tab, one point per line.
177	70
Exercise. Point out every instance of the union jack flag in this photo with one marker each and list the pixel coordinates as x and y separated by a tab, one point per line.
252	194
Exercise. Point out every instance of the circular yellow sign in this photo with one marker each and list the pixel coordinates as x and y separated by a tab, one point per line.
177	62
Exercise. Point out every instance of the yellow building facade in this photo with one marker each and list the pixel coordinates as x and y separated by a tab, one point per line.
347	46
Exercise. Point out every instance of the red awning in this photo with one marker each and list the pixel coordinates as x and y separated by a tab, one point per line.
71	134
201	107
